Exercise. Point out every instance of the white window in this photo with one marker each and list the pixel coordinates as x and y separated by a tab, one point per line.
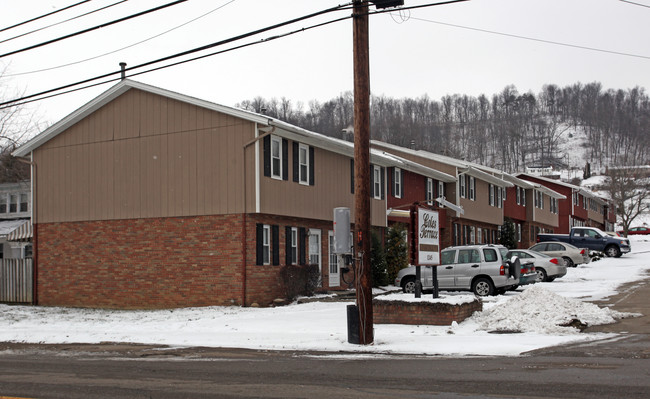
3	203
266	244
294	245
518	190
523	197
23	202
303	164
441	189
276	157
429	193
472	188
377	182
397	183
461	183
499	193
479	236
518	232
472	235
13	203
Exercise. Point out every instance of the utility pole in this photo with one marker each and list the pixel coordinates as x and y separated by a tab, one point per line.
362	171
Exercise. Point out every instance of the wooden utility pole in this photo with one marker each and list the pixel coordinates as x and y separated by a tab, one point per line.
363	283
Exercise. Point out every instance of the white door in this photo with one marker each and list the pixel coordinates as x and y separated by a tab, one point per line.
315	253
334	276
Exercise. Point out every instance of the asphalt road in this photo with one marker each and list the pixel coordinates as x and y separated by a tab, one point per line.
613	368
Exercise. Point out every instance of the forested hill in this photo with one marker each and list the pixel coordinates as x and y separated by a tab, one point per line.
508	130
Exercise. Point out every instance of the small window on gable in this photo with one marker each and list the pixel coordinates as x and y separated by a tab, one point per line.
276	157
376	186
397	183
303	164
429	193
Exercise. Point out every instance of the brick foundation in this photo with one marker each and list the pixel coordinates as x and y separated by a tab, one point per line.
422	313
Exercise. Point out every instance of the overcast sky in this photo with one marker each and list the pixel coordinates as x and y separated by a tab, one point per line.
475	47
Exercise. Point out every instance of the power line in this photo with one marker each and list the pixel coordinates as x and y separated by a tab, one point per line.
187	52
94	28
43	16
533	39
62	22
120	49
636	4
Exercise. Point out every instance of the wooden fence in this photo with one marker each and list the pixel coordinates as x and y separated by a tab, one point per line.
16	281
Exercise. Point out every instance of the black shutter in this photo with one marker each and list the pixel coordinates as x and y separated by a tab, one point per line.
287	240
391	180
382	172
267	156
401	183
258	244
285	159
311	165
275	244
296	161
301	245
352	176
426	181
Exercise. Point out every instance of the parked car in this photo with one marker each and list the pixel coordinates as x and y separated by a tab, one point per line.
482	269
528	274
641	230
547	268
572	256
591	238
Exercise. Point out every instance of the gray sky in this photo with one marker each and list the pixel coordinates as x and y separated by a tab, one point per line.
430	51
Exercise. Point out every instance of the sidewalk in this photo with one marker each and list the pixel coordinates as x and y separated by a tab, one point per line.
632	298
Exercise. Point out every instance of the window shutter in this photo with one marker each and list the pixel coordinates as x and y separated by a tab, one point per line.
267	156
382	179
287	247
296	161
285	159
275	244
352	176
259	241
391	180
301	245
401	184
311	165
426	190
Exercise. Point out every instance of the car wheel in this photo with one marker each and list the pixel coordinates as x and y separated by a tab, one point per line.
612	251
568	262
483	287
541	275
408	285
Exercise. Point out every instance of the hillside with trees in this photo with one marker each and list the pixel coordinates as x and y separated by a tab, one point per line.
508	130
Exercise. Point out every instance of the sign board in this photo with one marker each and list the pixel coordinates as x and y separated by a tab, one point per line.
428	242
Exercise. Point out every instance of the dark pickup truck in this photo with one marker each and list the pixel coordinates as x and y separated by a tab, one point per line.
591	238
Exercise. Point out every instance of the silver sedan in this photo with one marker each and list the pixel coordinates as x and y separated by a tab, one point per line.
572	256
547	267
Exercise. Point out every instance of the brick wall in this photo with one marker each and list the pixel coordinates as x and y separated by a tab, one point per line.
141	263
422	313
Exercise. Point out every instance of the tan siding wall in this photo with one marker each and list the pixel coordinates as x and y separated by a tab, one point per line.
544	215
480	209
144	156
331	189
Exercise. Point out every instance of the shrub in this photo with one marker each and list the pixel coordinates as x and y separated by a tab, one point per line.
508	236
396	251
299	280
377	261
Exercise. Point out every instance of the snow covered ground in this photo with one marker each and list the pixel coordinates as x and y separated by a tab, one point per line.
510	324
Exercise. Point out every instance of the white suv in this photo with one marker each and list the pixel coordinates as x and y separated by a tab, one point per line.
482	269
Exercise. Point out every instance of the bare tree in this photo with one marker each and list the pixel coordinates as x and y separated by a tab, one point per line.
629	188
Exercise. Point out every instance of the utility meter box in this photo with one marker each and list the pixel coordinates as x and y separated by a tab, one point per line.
342	245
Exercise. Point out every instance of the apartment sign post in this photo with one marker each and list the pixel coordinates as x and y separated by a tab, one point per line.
428	243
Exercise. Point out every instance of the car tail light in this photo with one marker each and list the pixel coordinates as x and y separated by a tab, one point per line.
582	252
554	261
502	270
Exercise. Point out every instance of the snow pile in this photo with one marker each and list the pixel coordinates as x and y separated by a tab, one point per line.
542	311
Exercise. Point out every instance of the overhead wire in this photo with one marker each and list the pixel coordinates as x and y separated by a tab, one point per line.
187	52
120	49
81	32
62	22
44	15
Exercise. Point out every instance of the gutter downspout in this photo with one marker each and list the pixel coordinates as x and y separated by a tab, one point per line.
34	228
244	218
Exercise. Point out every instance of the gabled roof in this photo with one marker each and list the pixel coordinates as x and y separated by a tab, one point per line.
573	187
282	129
116	91
532	185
